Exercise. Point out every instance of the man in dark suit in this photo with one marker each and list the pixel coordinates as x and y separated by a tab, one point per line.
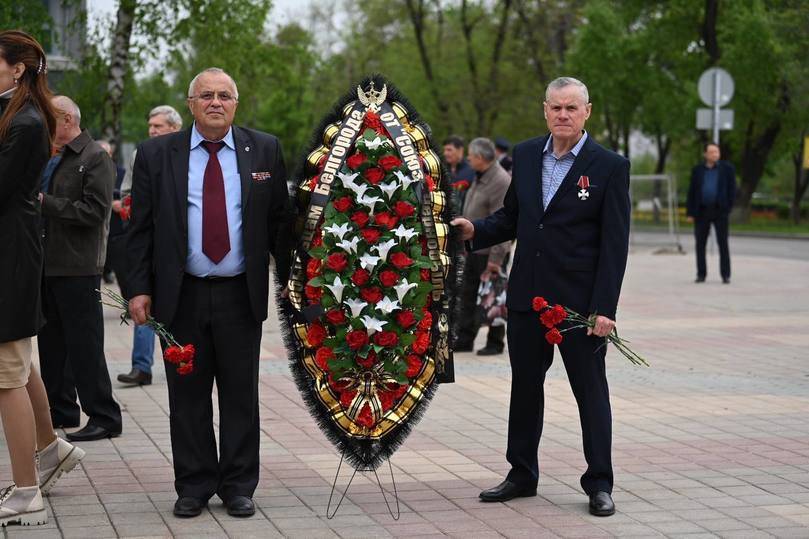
568	207
208	207
710	199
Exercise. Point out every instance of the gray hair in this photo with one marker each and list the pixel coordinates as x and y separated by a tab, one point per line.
211	70
562	82
483	148
172	116
67	105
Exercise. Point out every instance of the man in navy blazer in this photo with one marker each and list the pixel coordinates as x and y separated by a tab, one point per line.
710	199
568	207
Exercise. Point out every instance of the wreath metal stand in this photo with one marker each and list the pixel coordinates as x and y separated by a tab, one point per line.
331	514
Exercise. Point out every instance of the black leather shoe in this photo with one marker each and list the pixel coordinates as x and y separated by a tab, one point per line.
506	491
601	504
699	280
136	377
725	280
490	351
241	506
187	507
92	432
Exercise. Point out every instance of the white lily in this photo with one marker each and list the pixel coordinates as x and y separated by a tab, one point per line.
350	246
337	288
347	179
337	230
356	306
368	201
404	178
383	248
372	324
389	188
403	232
403	288
376	143
386	305
368	261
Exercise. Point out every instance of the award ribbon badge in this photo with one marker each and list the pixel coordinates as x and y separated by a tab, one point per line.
584	184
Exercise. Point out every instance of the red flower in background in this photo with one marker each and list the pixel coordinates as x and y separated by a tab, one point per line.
386	338
355	161
385	219
374	175
342	204
360	277
400	260
360	218
314	292
553	336
404	209
372	120
370	235
313	268
337	262
413	365
356	339
316	335
405	318
389	162
336	317
421	343
371	294
430	183
368	361
539	303
461	185
388	278
322	357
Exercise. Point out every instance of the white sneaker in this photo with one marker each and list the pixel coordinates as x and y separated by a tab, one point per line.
58	458
23	506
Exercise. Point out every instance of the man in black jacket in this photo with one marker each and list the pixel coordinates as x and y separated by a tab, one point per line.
568	207
76	211
710	199
208	207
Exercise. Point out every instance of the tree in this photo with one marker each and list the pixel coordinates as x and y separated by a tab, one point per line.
28	16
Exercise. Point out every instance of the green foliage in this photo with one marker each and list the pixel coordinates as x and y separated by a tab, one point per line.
29	16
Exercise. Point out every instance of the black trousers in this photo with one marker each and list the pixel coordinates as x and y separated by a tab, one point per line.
469	323
116	260
531	357
71	353
214	315
702	227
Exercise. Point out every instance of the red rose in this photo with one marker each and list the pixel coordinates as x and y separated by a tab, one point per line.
370	235
336	317
421	343
313	268
315	335
374	175
185	368
314	292
548	319
342	204
539	303
355	161
322	357
317	241
388	278
389	162
385	219
404	209
427	322
559	314
430	183
365	418
347	397
425	274
400	260
371	294
356	339
413	365
360	277
368	361
372	120
337	262
360	218
553	336
386	338
405	319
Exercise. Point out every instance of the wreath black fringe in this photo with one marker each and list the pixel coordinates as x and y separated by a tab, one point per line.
365	453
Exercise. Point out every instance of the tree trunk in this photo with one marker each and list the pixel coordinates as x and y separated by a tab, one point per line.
529	33
663	145
116	75
709	36
801	181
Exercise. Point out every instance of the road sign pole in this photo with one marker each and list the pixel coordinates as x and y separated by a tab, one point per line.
716	93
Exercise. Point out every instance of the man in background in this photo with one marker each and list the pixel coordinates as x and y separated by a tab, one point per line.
501	148
461	175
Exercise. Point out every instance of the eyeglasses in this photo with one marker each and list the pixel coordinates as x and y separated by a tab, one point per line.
224	97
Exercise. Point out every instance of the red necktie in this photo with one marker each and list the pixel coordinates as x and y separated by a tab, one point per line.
215	235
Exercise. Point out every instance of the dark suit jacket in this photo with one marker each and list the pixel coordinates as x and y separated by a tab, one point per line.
158	230
574	252
23	154
727	188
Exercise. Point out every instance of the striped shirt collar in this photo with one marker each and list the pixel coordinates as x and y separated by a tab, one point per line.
575	150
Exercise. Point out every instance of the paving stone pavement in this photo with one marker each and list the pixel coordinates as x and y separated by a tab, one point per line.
711	441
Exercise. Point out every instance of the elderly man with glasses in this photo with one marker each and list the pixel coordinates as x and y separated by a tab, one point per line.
209	205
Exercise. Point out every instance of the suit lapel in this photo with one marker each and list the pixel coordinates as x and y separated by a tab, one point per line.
580	165
180	150
244	160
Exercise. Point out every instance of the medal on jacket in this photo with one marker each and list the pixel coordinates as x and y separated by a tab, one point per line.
584	184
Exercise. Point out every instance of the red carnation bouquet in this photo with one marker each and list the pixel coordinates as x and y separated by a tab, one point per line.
126	208
552	317
175	353
460	185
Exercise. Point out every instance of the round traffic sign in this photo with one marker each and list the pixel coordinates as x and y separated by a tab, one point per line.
707	87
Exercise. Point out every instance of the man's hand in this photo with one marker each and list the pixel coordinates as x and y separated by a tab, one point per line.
40	196
140	307
116	206
465	226
603	327
689	219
